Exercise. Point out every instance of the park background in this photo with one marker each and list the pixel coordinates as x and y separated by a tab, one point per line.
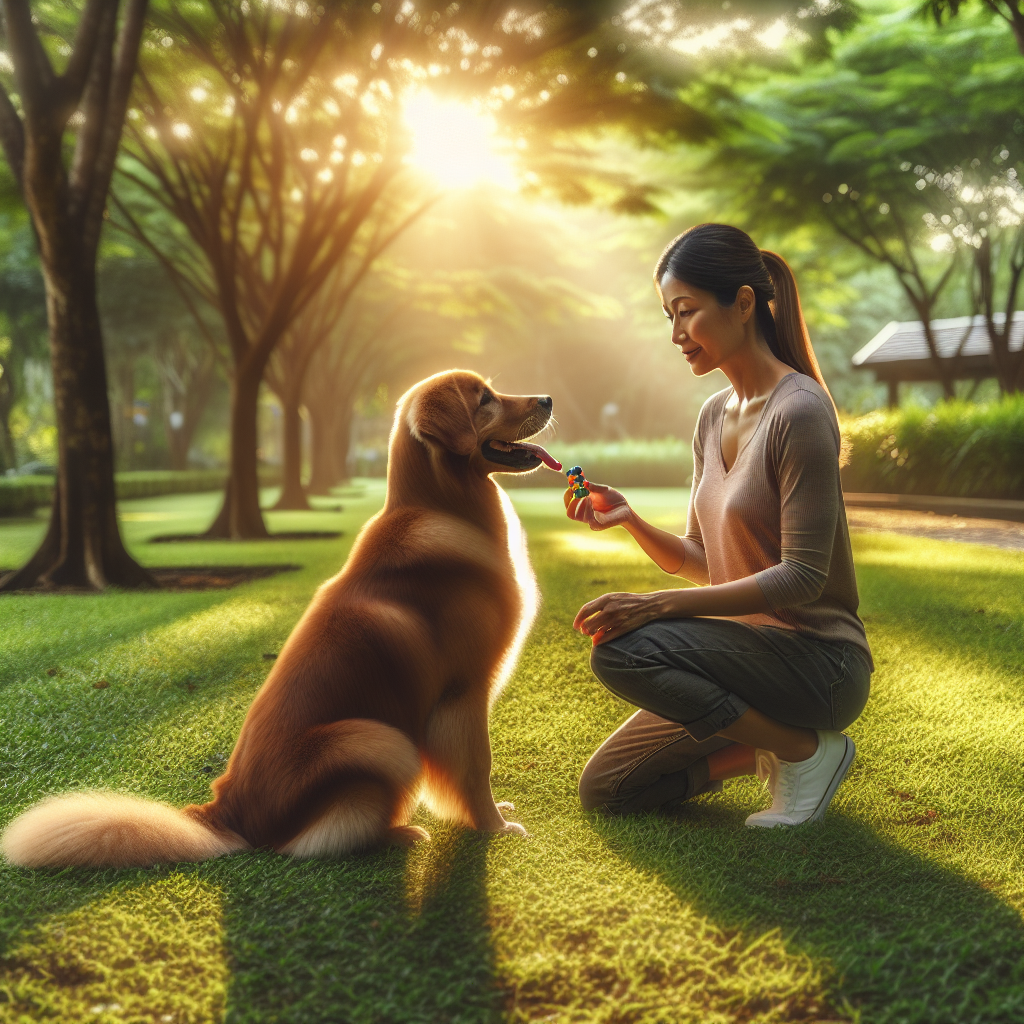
255	238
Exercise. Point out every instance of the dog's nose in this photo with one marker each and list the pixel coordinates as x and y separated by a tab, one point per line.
545	402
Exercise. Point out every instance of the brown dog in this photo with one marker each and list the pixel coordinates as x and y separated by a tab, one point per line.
382	692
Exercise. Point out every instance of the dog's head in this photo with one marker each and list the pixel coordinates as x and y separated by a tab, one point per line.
460	413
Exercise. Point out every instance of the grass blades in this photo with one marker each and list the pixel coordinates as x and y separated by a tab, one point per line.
904	905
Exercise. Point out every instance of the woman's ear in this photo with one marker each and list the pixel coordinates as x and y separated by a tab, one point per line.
439	415
746	300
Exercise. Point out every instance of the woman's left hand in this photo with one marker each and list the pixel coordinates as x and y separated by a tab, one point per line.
612	615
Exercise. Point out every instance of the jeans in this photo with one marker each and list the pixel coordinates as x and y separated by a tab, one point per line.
692	678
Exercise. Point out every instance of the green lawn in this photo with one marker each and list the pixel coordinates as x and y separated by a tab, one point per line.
903	906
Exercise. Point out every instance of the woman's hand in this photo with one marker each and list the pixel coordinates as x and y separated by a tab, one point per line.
612	615
603	508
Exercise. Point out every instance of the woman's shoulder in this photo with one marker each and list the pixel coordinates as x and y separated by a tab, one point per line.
802	407
799	396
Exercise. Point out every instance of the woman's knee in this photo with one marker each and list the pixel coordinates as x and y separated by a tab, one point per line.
606	660
593	795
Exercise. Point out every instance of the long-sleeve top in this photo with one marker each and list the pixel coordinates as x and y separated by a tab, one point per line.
777	514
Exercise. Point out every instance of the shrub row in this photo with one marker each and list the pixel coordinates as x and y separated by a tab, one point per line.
666	463
20	495
955	450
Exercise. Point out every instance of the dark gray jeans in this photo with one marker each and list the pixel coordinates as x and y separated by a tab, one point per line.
694	677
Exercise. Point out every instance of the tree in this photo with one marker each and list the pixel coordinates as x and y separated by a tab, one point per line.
849	143
66	195
980	209
1011	11
312	327
148	328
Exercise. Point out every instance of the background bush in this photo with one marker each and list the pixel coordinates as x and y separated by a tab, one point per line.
956	449
21	495
666	463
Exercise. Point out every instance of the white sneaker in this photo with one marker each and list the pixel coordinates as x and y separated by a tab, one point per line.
801	790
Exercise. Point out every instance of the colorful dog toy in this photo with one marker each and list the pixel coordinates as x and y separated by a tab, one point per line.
577	482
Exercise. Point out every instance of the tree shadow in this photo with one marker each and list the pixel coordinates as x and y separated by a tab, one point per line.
394	935
398	935
905	939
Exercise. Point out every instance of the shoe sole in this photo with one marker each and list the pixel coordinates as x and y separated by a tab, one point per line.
837	778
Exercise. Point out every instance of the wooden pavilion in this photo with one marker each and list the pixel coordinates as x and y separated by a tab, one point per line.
899	352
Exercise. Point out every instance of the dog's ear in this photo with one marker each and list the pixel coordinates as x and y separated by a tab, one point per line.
439	414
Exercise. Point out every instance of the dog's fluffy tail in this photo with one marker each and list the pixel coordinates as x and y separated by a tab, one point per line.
110	830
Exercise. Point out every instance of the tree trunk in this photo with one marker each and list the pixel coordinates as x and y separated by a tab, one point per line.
293	497
123	423
82	547
343	440
193	401
7	457
1009	366
323	475
240	517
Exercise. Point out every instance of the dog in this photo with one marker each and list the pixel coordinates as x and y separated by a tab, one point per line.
380	697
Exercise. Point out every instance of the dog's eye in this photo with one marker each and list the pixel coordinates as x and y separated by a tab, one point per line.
486	398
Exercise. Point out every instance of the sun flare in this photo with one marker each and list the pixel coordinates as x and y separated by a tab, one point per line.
455	144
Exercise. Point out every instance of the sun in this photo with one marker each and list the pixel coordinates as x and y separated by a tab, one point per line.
455	144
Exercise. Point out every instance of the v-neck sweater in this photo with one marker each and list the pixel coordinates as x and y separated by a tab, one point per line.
777	513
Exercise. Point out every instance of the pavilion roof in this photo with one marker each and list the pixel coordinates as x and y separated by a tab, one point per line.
900	350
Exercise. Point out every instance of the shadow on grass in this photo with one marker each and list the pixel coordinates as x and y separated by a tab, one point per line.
398	935
49	643
907	940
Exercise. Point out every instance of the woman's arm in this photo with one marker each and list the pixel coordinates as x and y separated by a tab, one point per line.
606	507
611	615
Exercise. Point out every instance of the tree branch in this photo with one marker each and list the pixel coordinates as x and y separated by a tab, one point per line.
12	137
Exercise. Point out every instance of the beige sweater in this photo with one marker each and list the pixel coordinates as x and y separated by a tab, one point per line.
778	514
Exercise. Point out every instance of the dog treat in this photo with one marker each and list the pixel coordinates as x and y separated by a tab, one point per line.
577	482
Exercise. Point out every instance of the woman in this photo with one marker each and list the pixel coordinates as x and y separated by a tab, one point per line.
758	669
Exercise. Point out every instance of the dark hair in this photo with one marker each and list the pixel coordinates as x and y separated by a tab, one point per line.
721	259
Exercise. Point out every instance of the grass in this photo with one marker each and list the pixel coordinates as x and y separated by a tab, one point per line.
903	906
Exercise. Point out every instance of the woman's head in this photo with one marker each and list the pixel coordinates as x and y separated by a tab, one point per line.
746	283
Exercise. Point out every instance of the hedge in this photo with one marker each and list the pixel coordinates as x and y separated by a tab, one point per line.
955	450
20	495
665	463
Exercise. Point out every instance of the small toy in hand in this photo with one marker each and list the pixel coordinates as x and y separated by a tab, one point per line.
577	482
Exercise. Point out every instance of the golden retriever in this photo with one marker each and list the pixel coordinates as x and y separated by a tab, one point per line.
381	695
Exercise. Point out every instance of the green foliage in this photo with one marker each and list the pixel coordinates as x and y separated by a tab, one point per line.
22	495
955	449
902	907
665	463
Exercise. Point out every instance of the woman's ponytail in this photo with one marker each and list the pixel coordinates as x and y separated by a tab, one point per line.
792	342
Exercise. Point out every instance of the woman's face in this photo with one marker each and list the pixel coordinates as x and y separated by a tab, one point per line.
707	333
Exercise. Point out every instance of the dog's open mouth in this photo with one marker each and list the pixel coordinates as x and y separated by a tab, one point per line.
520	455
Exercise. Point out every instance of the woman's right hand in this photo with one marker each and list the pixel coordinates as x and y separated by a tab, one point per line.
603	508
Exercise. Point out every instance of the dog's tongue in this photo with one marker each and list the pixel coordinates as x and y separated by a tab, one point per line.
536	449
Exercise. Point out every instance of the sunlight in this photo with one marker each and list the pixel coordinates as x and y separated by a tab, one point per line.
455	144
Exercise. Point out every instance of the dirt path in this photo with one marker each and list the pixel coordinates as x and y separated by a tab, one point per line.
997	532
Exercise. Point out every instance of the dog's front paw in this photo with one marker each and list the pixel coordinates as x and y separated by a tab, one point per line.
505	806
512	828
